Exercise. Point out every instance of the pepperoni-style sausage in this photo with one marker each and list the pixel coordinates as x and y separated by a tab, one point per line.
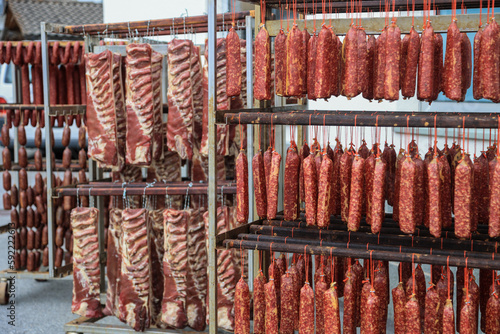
242	308
453	63
389	157
310	189
242	188
356	194
280	63
306	325
296	280
397	183
410	75
362	61
351	83
271	314
435	186
371	45
287	304
463	196
399	302
466	51
419	200
392	56
259	304
380	284
377	202
407	219
372	314
490	62
346	162
324	59
305	42
325	192
233	64
494	210
272	191
296	72
291	186
259	182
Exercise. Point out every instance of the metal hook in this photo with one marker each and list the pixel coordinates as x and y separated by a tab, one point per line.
77	197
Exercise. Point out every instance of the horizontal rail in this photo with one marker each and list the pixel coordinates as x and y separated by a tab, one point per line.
67	109
373	253
361	118
145	25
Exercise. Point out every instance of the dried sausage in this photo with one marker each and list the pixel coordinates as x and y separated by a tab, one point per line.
399	301
357	271
259	304
350	292
82	141
433	311
490	62
435	190
485	279
350	80
336	64
59	257
272	191
5	136
310	189
242	188
453	63
380	285
392	56
268	154
303	154
370	62
466	50
337	155
419	199
291	186
306	325
14	196
463	196
271	314
332	311
23	157
66	136
412	316
345	183
323	66
409	83
262	85
368	187
23	179
362	61
420	281
233	64
287	304
407	219
320	288
356	194
377	202
305	42
494	210
242	308
402	59
379	74
426	65
492	314
259	182
6	201
280	63
296	71
325	192
7	163
371	313
7	183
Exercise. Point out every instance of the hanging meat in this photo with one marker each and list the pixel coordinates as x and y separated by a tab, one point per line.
453	83
392	58
408	83
296	67
113	264
489	70
262	67
324	64
350	83
105	120
86	263
425	83
233	84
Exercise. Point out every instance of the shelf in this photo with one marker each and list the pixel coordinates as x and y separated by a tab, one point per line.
141	188
295	116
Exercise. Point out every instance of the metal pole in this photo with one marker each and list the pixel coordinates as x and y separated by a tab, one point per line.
250	151
48	144
212	156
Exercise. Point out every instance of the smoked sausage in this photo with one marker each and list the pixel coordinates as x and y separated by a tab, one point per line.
356	194
272	191
325	192
262	84
259	182
392	56
242	307
494	210
453	63
296	72
271	314
463	196
410	75
7	183
490	62
242	188
425	83
377	202
323	66
310	189
407	219
280	63
287	304
306	325
291	186
332	311
379	75
6	159
233	64
350	47
345	183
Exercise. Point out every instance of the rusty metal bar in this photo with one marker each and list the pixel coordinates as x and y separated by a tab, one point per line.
289	247
147	25
362	118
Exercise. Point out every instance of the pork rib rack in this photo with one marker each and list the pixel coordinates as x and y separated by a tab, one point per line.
86	269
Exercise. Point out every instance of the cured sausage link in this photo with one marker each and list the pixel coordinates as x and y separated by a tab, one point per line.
291	186
242	188
310	189
356	194
259	184
272	191
262	67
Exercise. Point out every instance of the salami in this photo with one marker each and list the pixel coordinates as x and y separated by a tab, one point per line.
356	194
337	155
437	85
357	276
466	317
259	184
377	197
303	154
453	63
380	60
268	156
371	46
242	308
320	288
477	89
259	304
287	305
295	83
490	62
425	83
291	186
350	291
305	42
485	278
463	195
392	57
271	314
325	192
306	325
448	318
336	64
294	274
310	189
407	219
412	316
272	191
466	55
368	187
446	192
493	314
331	311
380	284
233	64
362	61
242	188
397	184
433	311
323	66
412	59
435	189
280	63
494	210
350	83
262	67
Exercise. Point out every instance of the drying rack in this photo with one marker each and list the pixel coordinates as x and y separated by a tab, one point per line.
100	187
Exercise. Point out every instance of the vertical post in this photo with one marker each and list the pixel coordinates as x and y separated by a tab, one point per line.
249	21
48	144
212	156
18	91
